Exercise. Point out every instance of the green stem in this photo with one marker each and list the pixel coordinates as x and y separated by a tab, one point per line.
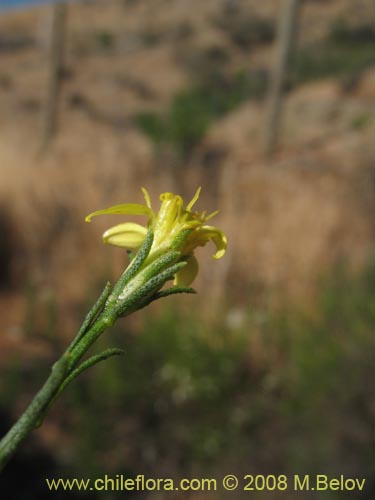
32	415
103	322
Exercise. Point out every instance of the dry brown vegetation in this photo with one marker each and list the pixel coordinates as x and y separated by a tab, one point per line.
289	219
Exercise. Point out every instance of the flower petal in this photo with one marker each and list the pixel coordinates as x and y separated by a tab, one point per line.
202	235
125	208
186	275
168	216
128	235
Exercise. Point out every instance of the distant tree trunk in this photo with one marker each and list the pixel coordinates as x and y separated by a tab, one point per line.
55	68
285	38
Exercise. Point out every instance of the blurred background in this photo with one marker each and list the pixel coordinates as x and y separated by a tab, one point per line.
269	106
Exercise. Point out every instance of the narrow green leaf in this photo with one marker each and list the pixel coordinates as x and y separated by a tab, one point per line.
139	297
136	263
93	313
172	291
93	360
159	264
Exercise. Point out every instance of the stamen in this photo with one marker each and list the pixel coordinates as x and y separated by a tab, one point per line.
193	201
212	215
146	197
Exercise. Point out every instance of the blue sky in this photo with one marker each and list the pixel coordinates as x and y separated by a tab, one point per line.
6	4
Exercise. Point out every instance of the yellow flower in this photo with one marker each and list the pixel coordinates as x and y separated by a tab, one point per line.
173	226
